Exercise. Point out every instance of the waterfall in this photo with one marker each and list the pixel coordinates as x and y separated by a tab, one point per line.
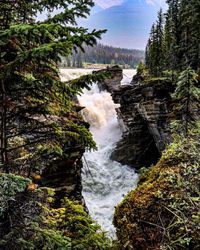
105	182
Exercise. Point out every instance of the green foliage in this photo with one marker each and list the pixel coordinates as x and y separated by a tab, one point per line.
142	70
155	49
26	227
175	44
39	121
72	220
39	107
44	239
187	93
36	224
183	231
187	85
166	203
106	55
10	185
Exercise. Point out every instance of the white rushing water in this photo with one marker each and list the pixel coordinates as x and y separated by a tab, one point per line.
105	182
69	74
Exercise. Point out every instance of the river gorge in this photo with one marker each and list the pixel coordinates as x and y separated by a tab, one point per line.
105	182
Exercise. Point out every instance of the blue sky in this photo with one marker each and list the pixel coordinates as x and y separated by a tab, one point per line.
128	21
109	3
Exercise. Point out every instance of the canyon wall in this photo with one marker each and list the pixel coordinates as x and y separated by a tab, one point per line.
144	114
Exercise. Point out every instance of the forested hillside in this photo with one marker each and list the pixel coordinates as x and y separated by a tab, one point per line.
102	54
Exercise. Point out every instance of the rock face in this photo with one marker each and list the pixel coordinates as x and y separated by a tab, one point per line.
64	173
144	115
113	82
65	176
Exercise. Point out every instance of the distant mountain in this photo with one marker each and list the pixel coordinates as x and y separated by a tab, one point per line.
128	24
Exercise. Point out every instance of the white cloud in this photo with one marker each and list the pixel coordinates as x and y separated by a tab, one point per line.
159	2
150	2
108	3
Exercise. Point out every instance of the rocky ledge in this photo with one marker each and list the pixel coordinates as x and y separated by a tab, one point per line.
144	115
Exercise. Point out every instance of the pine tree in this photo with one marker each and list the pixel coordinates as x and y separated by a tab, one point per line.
188	94
38	117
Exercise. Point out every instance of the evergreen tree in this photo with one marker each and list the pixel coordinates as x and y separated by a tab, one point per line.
104	53
79	60
147	53
151	50
160	42
188	94
155	47
37	116
178	46
190	33
171	35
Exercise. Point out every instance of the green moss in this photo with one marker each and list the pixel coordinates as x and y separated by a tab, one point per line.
163	212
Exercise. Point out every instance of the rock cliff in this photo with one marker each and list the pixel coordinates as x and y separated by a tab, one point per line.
65	176
144	115
64	173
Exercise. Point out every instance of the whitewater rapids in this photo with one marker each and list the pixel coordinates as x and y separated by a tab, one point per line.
105	182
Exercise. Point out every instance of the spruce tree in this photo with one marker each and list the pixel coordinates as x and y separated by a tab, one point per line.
38	117
160	42
187	92
151	52
189	33
171	35
155	47
180	46
147	53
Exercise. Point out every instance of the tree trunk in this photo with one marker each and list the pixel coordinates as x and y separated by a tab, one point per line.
4	153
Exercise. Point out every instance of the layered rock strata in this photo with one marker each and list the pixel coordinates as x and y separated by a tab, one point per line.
144	115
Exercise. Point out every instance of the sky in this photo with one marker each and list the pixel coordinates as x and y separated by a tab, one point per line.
109	3
128	22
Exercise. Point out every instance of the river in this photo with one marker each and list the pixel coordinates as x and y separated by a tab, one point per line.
105	182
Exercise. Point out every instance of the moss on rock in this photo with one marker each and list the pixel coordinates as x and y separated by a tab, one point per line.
163	212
